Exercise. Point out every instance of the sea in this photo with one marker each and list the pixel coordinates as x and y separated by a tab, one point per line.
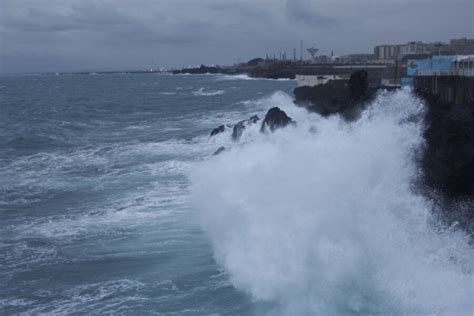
112	202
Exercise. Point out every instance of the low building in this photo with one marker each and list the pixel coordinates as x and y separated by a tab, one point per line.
384	52
399	51
462	45
454	65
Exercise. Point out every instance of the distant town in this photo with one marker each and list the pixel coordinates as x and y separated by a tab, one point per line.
388	65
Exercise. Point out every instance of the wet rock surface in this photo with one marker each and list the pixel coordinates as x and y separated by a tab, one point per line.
345	97
448	161
239	128
274	119
217	130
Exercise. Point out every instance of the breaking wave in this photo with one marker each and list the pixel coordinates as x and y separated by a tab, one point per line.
201	92
245	77
324	218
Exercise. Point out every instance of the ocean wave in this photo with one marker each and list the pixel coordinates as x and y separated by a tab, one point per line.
90	297
234	77
323	218
246	77
201	92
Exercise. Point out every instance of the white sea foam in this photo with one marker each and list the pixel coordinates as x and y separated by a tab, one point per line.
90	298
323	218
245	77
201	92
234	77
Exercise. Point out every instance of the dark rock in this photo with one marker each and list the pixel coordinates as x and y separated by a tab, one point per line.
343	97
448	159
240	127
276	72
254	119
238	130
448	163
202	69
218	130
275	118
256	62
219	151
358	84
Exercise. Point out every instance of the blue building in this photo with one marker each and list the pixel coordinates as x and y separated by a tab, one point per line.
438	66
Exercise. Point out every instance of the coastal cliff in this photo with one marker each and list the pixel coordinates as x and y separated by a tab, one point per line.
448	159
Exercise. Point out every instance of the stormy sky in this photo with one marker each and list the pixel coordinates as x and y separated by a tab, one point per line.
67	35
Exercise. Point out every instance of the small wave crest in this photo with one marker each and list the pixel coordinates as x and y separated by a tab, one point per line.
201	92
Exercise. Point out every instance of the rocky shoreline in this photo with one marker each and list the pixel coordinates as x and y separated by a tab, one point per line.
448	159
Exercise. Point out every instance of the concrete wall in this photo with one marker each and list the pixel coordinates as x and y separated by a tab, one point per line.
447	89
310	81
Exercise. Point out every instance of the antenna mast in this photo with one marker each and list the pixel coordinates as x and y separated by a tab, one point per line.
301	56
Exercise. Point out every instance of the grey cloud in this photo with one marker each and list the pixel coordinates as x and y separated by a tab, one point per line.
303	11
85	15
73	35
187	33
241	10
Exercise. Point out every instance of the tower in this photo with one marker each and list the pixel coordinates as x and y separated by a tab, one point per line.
313	51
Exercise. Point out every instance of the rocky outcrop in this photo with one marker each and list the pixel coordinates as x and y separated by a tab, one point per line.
237	130
202	69
448	159
240	127
448	162
275	118
217	130
358	85
219	151
345	97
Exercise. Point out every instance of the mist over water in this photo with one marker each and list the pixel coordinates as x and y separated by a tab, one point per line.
325	218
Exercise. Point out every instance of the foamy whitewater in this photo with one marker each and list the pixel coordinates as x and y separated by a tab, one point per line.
112	202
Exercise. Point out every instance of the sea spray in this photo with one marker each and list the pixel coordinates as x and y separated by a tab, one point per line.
323	217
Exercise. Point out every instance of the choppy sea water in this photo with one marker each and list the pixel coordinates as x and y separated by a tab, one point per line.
111	202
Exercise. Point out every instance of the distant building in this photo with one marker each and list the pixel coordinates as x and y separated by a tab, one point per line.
356	58
322	59
462	45
399	51
384	52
